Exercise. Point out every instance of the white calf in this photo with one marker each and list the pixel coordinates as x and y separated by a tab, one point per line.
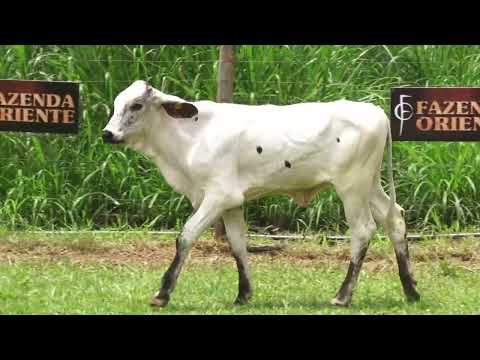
221	155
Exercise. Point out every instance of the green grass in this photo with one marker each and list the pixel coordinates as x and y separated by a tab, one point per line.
285	284
54	181
64	288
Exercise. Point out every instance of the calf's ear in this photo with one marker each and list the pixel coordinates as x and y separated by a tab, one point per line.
180	109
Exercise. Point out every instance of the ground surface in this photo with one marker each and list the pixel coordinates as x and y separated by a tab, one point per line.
118	274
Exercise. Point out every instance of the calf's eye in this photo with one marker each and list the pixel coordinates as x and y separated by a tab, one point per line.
136	107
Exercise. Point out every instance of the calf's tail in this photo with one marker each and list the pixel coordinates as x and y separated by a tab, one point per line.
393	196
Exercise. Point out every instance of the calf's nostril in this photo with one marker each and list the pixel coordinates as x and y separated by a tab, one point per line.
107	135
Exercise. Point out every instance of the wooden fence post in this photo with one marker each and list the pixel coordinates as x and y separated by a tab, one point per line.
226	76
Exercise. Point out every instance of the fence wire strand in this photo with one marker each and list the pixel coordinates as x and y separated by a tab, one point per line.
269	236
311	61
248	81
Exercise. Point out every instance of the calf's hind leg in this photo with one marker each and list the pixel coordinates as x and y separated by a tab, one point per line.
236	235
362	225
395	227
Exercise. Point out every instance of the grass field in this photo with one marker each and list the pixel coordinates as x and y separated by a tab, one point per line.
52	182
57	182
117	274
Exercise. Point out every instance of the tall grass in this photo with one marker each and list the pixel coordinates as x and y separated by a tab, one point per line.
56	181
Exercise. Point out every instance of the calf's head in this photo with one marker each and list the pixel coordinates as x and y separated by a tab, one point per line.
136	109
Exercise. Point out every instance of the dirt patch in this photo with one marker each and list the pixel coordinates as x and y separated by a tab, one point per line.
155	254
138	253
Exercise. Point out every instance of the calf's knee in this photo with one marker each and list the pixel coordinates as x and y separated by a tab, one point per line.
183	243
361	239
396	228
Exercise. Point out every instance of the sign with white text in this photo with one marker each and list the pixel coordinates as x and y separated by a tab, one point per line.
39	106
435	114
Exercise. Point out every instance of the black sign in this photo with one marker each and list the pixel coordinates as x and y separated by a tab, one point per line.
39	106
435	114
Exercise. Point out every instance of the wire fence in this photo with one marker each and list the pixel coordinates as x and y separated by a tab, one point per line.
143	61
267	61
321	83
413	237
276	82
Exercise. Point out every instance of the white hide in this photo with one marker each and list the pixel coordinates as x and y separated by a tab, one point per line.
325	143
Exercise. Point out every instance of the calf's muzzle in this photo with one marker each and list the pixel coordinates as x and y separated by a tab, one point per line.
108	137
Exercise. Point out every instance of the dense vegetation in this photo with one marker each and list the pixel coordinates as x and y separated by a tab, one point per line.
55	181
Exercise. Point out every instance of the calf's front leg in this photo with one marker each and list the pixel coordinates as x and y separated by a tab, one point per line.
209	210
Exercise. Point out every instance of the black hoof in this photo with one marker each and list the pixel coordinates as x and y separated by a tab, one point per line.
413	296
160	302
242	300
340	302
239	302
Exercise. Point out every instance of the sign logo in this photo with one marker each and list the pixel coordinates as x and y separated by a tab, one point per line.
435	114
39	106
403	111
